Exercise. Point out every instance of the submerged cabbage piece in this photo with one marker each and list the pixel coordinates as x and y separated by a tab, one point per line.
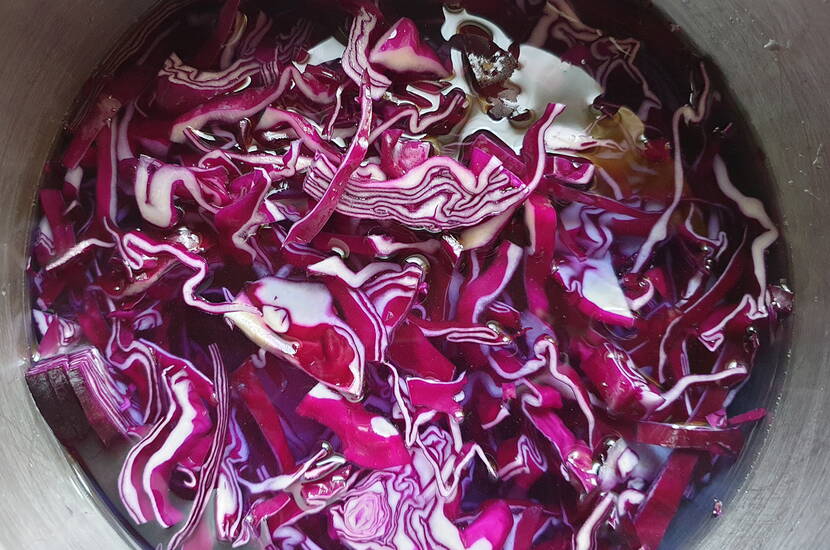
410	286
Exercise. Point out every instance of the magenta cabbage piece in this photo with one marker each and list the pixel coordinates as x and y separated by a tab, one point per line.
278	268
362	433
83	378
402	51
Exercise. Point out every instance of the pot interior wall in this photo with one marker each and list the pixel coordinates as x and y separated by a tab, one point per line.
48	49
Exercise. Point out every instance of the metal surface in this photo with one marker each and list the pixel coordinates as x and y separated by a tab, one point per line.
778	491
771	52
47	50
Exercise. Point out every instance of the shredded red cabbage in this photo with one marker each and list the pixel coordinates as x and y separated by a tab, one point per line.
401	282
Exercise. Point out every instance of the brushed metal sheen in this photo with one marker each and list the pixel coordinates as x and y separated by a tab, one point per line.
47	50
778	492
772	53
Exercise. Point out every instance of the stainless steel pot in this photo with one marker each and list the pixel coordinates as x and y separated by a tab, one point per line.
773	53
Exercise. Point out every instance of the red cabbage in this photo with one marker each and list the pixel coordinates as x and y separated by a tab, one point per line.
407	288
362	433
208	474
492	526
82	378
297	321
388	509
305	229
355	60
175	439
401	50
182	87
230	108
264	412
